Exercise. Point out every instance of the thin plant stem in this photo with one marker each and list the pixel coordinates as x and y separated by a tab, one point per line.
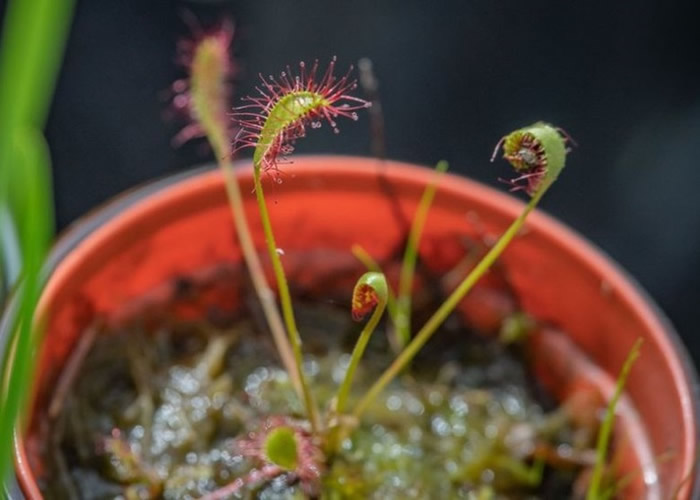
209	71
357	353
447	307
359	252
402	318
370	86
285	299
608	423
257	275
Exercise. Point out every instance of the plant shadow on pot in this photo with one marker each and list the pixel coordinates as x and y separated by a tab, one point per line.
148	240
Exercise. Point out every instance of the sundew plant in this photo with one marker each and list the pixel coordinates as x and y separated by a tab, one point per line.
284	110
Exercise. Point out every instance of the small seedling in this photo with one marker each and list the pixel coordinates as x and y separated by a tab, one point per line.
594	489
402	315
285	446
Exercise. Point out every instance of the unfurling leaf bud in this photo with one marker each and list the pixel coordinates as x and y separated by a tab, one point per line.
537	153
371	289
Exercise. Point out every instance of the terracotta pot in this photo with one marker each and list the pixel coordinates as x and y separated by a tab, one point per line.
182	225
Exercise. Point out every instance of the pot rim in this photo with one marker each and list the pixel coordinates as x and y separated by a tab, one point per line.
99	222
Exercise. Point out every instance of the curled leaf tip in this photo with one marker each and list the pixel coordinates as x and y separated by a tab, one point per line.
285	106
370	290
537	153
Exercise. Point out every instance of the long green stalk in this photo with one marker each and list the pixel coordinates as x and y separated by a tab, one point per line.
222	150
402	317
356	356
257	275
285	299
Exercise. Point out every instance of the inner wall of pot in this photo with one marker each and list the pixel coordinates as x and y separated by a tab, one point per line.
340	202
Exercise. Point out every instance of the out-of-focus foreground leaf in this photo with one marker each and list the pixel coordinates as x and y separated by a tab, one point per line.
33	38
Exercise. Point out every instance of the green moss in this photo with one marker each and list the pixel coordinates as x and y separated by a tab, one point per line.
461	424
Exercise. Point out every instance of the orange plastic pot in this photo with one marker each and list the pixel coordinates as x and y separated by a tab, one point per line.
181	226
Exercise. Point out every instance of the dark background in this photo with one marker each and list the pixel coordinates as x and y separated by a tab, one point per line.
622	77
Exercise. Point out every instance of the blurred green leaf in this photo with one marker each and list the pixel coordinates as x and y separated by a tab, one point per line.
33	38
